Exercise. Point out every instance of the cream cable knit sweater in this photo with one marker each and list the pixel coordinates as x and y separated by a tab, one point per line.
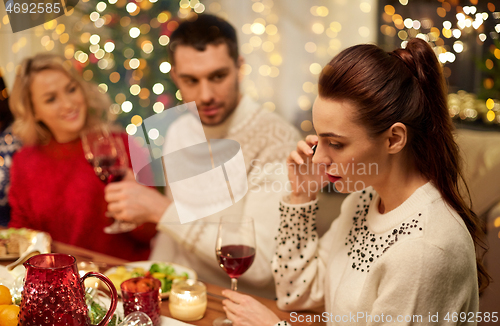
416	260
266	140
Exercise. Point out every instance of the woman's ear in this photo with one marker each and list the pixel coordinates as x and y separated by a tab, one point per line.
397	135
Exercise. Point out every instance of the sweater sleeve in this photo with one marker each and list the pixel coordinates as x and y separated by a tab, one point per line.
299	264
261	202
420	280
19	217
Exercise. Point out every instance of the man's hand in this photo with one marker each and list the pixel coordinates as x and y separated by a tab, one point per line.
243	310
131	202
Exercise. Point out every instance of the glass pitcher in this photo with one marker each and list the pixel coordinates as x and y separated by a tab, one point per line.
54	293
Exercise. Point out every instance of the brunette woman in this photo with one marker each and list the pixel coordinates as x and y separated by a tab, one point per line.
403	248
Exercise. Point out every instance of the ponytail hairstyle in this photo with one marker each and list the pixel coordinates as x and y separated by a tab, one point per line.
407	86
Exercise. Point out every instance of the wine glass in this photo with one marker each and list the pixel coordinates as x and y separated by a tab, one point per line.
106	152
137	319
235	250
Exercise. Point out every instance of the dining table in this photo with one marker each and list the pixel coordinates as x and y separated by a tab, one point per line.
214	292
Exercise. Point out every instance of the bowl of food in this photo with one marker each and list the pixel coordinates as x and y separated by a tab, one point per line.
163	271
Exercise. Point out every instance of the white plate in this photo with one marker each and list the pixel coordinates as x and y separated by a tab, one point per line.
30	235
146	265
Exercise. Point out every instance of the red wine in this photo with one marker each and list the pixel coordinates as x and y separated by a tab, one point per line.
107	171
235	259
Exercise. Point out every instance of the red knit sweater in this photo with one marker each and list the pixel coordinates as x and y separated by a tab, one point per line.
54	189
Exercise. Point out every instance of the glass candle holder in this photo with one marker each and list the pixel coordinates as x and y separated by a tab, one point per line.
142	294
188	300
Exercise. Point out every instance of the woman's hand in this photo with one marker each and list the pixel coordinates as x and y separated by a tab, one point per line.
243	310
306	178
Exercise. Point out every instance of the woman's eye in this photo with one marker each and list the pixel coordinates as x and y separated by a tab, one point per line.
336	146
50	100
72	89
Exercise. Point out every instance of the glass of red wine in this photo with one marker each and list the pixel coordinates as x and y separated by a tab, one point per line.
106	152
235	250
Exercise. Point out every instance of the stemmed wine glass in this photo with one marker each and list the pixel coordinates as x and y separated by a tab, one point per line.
235	250
106	152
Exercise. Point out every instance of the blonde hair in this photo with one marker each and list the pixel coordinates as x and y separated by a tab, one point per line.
25	126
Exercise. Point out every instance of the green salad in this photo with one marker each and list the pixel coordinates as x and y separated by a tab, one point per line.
161	271
166	274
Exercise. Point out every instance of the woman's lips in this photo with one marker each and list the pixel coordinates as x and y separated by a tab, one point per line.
71	116
332	178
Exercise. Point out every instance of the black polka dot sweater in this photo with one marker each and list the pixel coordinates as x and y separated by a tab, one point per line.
416	259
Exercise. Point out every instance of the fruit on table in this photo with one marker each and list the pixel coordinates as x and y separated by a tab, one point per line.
9	316
121	274
5	297
8	312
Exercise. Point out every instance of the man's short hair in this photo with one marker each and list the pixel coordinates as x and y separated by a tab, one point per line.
206	29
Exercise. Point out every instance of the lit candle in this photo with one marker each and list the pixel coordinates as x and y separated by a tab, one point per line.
188	300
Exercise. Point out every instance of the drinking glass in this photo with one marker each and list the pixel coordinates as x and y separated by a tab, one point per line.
142	294
235	250
136	319
106	152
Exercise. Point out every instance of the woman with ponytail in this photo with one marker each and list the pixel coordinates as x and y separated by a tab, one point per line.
403	249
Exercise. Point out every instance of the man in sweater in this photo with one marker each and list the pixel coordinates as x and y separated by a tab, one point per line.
205	67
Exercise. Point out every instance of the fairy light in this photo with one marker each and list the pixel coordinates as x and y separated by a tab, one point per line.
315	68
99	54
165	67
135	89
131	129
127	106
318	28
158	88
101	6
365	7
134	32
131	7
178	95
458	46
134	63
109	47
94	39
94	16
164	40
258	28
158	107
408	22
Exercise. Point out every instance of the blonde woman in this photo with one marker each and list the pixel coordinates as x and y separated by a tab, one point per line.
53	188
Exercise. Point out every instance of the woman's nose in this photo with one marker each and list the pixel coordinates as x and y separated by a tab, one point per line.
66	102
320	156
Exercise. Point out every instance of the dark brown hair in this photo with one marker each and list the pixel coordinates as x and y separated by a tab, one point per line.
407	86
204	30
